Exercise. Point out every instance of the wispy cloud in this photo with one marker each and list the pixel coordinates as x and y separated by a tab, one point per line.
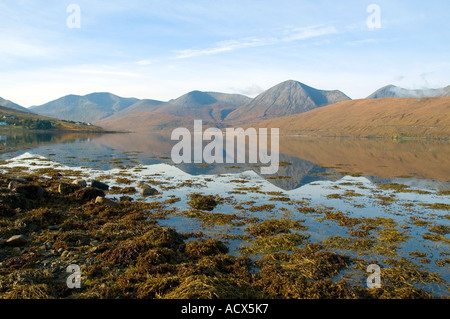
16	47
289	35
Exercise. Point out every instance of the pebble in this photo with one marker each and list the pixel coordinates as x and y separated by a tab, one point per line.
17	240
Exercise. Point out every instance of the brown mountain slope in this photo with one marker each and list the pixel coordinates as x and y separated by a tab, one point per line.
387	117
211	107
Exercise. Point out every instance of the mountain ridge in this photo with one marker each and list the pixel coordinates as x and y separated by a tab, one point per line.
395	91
86	108
12	105
286	98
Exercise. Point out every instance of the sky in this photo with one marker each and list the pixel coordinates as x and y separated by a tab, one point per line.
161	49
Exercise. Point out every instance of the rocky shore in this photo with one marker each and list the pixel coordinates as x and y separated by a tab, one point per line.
50	223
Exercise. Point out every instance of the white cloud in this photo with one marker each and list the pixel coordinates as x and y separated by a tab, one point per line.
289	35
16	47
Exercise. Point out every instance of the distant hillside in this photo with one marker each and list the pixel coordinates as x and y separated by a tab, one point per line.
87	108
140	106
287	98
211	107
11	105
395	91
387	117
208	106
19	120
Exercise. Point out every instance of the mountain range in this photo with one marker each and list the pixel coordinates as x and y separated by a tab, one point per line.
11	105
87	108
283	102
395	91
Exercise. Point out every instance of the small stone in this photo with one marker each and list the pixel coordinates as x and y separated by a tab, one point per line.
16	251
17	241
80	183
100	185
13	184
148	191
105	201
66	189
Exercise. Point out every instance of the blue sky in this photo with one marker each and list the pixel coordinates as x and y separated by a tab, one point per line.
162	49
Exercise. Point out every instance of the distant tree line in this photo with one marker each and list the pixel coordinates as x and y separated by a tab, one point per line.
27	123
37	124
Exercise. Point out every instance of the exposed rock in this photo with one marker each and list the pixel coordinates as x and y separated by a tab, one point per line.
100	185
33	192
12	185
80	183
66	189
105	201
140	184
148	191
17	241
88	193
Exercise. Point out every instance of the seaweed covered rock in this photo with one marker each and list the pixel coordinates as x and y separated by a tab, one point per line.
88	193
105	201
32	191
207	247
163	237
65	188
14	200
203	202
6	211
